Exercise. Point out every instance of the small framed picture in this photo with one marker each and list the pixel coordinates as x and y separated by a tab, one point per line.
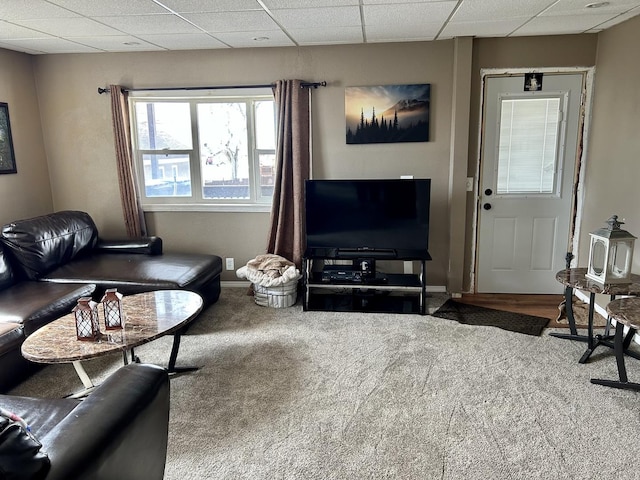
532	82
7	157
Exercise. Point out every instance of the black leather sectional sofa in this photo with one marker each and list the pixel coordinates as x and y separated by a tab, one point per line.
48	262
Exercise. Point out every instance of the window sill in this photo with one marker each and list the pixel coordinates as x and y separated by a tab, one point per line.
255	207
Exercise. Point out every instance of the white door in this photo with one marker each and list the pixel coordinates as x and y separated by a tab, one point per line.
528	160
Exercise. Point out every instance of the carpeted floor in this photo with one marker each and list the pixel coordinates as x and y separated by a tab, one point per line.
286	394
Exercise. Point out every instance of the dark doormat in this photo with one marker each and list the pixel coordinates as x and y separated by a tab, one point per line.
474	315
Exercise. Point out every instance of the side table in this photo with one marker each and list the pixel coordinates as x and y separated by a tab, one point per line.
575	278
626	312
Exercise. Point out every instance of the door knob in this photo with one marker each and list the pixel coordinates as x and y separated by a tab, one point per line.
487	206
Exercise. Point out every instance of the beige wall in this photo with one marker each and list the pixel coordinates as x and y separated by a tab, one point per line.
78	134
79	145
26	193
613	166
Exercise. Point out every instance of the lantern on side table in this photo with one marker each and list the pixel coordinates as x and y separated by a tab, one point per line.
610	254
112	305
86	313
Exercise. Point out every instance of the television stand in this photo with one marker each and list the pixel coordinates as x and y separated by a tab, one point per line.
347	288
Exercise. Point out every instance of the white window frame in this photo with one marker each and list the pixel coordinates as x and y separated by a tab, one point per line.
196	202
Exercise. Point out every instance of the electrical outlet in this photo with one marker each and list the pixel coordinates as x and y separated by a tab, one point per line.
230	263
408	267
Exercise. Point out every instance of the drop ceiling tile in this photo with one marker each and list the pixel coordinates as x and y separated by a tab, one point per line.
149	24
619	19
232	21
202	6
118	43
185	41
403	15
578	7
51	45
470	11
17	48
561	24
327	35
32	9
423	32
110	8
70	27
271	38
482	29
299	18
11	31
277	4
383	2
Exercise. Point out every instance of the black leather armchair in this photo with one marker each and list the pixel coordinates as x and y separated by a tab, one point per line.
120	431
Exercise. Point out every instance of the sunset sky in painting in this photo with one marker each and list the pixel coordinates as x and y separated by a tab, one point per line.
378	97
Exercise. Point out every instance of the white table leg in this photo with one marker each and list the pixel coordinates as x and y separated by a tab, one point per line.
86	381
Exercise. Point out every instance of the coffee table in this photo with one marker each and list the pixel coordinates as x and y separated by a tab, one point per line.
148	316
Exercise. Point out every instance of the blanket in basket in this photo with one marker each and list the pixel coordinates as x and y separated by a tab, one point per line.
269	270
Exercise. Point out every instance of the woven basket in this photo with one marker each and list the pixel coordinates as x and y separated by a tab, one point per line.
280	296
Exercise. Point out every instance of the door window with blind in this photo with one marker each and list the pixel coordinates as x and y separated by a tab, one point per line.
530	136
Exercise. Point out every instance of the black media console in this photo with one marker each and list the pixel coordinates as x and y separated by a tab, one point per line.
336	282
350	225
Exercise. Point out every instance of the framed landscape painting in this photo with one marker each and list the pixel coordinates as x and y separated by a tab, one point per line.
7	158
387	113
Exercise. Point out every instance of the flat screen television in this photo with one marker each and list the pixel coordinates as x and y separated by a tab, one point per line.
386	218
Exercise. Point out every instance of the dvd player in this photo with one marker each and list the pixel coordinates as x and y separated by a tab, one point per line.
341	273
346	274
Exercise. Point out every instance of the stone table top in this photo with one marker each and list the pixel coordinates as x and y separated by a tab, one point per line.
576	278
147	316
625	311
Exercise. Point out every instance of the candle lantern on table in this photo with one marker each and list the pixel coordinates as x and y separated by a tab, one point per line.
112	304
610	254
87	325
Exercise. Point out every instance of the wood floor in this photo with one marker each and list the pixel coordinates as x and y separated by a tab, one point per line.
545	306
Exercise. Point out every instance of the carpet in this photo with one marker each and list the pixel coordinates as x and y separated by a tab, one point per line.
292	395
476	315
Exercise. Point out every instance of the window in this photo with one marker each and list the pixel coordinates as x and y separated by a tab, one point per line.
215	151
528	146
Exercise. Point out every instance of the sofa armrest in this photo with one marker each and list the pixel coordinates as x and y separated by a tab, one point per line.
143	245
119	431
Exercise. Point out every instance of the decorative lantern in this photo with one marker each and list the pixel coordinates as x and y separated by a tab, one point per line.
112	309
86	312
610	254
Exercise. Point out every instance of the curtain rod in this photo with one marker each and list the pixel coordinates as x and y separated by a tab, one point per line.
220	87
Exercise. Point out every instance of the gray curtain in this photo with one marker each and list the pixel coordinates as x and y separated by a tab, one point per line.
293	156
133	215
